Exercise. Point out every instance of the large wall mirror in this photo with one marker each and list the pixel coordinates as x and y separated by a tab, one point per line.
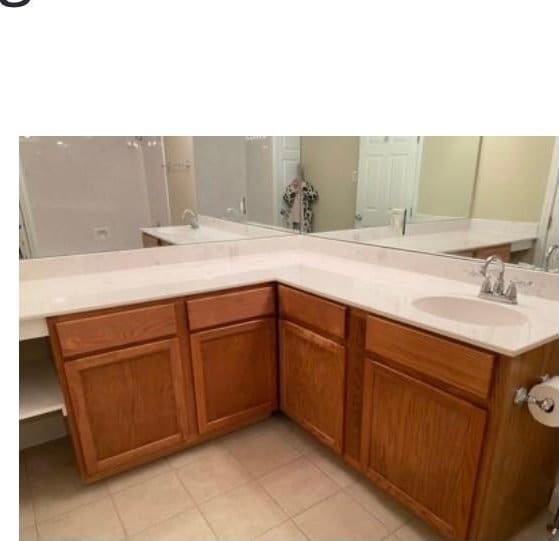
93	194
461	196
466	196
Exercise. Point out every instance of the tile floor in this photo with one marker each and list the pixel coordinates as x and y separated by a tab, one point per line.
268	482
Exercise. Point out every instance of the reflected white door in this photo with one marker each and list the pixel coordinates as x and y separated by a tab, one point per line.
386	177
287	156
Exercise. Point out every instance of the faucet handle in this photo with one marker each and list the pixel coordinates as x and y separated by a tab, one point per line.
512	292
521	283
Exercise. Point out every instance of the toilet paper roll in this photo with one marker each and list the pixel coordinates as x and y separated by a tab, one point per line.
547	389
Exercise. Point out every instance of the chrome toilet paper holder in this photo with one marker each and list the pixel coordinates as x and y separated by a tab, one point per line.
522	396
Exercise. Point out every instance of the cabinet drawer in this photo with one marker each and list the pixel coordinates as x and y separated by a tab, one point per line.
224	308
319	314
456	365
97	332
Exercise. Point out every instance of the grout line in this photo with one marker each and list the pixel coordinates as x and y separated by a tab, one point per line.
157	522
290	515
118	516
197	506
372	514
207	521
289	519
64	513
135	470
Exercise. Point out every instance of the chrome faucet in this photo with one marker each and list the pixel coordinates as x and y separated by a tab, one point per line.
193	218
548	255
496	291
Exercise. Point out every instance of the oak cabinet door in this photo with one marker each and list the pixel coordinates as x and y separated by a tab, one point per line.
313	382
422	445
128	404
234	374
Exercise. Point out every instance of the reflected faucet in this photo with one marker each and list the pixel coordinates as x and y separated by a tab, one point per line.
193	221
548	255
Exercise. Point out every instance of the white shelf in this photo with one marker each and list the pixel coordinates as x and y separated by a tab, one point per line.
39	391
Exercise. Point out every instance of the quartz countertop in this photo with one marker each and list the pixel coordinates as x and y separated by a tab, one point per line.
453	241
376	288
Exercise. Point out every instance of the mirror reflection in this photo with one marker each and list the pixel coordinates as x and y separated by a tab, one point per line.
471	196
92	194
467	196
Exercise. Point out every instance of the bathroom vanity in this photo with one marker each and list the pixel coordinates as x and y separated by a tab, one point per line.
428	419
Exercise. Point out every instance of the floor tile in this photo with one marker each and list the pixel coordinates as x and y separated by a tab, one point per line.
298	485
55	495
243	513
28	534
137	475
260	449
178	460
380	505
417	530
97	521
333	466
535	530
49	458
287	531
26	512
212	473
189	525
152	501
340	517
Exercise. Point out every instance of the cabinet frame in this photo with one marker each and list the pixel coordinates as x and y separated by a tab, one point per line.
458	526
197	339
333	441
84	433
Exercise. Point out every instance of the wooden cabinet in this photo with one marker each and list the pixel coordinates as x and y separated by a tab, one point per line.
503	251
230	307
445	363
422	445
312	382
429	419
234	374
129	404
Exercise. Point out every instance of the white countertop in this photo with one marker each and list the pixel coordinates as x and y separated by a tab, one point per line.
452	241
379	289
184	234
212	230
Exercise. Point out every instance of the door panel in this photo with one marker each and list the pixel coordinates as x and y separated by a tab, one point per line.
422	445
234	373
313	382
129	403
386	177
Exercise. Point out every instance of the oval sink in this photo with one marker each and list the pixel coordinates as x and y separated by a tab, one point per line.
472	311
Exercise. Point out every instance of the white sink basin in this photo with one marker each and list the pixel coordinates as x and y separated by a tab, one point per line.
472	311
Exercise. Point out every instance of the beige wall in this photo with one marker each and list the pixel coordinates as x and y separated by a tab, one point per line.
512	178
447	175
329	164
180	180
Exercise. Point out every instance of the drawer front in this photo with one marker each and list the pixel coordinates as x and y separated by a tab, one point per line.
319	314
98	332
227	308
453	364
